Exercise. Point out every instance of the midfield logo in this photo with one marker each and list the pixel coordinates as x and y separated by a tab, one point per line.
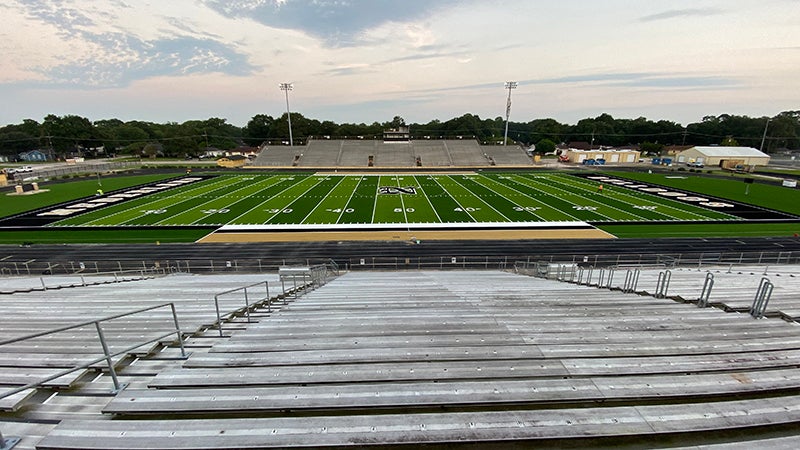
393	190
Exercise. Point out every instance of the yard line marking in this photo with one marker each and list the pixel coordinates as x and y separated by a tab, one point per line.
267	181
296	198
352	193
402	202
648	198
281	177
530	198
341	178
660	201
484	201
569	200
375	203
464	209
530	183
147	202
595	202
435	211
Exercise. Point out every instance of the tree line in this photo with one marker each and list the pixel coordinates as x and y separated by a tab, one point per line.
72	135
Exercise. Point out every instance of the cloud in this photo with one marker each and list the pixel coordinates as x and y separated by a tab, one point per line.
678	13
102	54
142	59
622	79
338	23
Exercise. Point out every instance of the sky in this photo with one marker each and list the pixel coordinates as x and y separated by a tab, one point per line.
363	61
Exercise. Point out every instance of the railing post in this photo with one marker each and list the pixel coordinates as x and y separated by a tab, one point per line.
702	301
178	330
219	319
246	305
111	370
761	299
662	285
269	303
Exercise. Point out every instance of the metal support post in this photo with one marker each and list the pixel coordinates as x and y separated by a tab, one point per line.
246	305
111	371
178	331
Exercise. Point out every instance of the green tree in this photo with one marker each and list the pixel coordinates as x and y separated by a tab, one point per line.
729	142
545	146
651	148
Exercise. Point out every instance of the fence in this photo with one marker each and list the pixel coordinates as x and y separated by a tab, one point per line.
494	262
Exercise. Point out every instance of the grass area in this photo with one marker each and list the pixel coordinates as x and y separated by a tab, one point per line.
59	192
703	230
61	236
767	196
268	199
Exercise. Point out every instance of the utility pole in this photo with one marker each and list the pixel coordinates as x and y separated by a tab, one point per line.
509	85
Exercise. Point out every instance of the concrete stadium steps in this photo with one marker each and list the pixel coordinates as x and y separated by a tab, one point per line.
390	358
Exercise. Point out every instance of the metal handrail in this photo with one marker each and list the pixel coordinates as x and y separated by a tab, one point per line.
662	285
763	294
107	355
247	306
702	301
631	278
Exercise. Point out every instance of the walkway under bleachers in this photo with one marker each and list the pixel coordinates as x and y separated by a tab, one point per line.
447	358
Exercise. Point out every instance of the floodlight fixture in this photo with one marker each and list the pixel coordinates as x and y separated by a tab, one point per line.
508	85
286	87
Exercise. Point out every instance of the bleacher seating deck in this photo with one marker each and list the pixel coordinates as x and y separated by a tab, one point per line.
446	358
355	153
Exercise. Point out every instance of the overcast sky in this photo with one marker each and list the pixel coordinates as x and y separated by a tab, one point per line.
369	60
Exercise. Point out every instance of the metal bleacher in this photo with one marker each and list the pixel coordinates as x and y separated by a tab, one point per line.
507	155
277	155
351	153
485	358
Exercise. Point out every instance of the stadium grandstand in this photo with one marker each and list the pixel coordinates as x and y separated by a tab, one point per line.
361	153
566	352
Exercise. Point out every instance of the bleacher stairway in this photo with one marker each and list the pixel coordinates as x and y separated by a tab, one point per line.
449	358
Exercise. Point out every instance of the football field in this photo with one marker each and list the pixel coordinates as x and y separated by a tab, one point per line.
371	201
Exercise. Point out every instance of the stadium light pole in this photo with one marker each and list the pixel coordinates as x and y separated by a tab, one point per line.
509	85
286	87
764	137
